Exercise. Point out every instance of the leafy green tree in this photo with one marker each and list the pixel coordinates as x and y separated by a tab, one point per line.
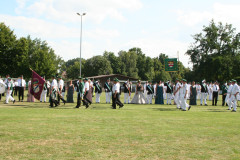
7	54
114	61
213	52
97	65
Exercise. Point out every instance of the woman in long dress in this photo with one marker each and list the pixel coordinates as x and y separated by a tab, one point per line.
159	93
193	94
70	93
30	97
139	98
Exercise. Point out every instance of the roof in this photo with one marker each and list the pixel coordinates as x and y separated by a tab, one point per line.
112	75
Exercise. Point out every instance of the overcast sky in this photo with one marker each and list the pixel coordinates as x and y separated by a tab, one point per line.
155	26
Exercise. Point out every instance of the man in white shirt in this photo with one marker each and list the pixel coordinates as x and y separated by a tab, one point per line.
215	93
183	96
15	87
10	86
2	83
233	96
204	92
210	91
21	85
176	94
227	99
60	90
85	100
53	92
116	91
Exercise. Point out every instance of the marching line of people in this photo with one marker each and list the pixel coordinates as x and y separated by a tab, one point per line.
178	92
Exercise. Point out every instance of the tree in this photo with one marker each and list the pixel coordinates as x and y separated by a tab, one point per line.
7	54
213	52
114	61
97	65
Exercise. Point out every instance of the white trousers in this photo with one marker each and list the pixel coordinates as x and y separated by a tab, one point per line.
8	96
127	97
108	97
203	97
177	100
98	97
169	98
43	95
233	102
198	95
184	104
227	98
210	96
149	98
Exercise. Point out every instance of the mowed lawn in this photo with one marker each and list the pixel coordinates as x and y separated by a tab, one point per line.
35	131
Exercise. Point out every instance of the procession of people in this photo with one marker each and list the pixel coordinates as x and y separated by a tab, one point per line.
177	93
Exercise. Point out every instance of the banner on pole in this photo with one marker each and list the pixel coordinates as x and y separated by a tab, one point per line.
171	65
37	84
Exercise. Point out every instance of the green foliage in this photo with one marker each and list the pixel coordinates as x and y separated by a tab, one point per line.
97	65
215	53
18	55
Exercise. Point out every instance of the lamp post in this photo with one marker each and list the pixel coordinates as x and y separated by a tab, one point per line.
81	15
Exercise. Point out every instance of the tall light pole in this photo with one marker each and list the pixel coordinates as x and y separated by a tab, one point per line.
81	15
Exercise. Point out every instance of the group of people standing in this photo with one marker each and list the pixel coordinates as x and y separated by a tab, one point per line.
178	92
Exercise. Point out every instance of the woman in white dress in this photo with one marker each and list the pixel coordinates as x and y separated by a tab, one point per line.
139	97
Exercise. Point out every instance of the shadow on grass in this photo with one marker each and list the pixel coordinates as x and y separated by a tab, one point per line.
164	109
215	110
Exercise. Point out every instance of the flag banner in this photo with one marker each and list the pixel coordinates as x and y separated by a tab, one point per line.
37	84
171	65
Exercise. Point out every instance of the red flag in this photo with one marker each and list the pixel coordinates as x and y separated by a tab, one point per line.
37	84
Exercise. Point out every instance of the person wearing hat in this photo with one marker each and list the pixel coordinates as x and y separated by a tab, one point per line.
80	90
10	86
108	90
177	94
115	94
224	93
215	93
204	92
85	100
183	96
21	87
127	91
233	96
53	92
61	90
98	91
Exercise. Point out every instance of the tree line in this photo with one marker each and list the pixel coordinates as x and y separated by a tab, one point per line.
214	55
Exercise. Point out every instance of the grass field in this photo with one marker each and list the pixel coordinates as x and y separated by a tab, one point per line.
34	131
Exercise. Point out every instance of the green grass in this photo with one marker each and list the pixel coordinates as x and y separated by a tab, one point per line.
34	131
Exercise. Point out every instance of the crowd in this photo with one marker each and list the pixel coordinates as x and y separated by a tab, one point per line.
178	93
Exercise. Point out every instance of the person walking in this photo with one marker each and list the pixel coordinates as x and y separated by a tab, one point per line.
10	86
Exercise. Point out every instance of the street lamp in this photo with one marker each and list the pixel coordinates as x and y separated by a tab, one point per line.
81	15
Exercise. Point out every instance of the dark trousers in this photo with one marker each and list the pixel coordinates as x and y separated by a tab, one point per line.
85	100
21	93
215	98
116	101
53	101
48	90
223	99
15	90
59	97
79	98
0	97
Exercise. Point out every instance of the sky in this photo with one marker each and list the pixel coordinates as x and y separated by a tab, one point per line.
155	26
